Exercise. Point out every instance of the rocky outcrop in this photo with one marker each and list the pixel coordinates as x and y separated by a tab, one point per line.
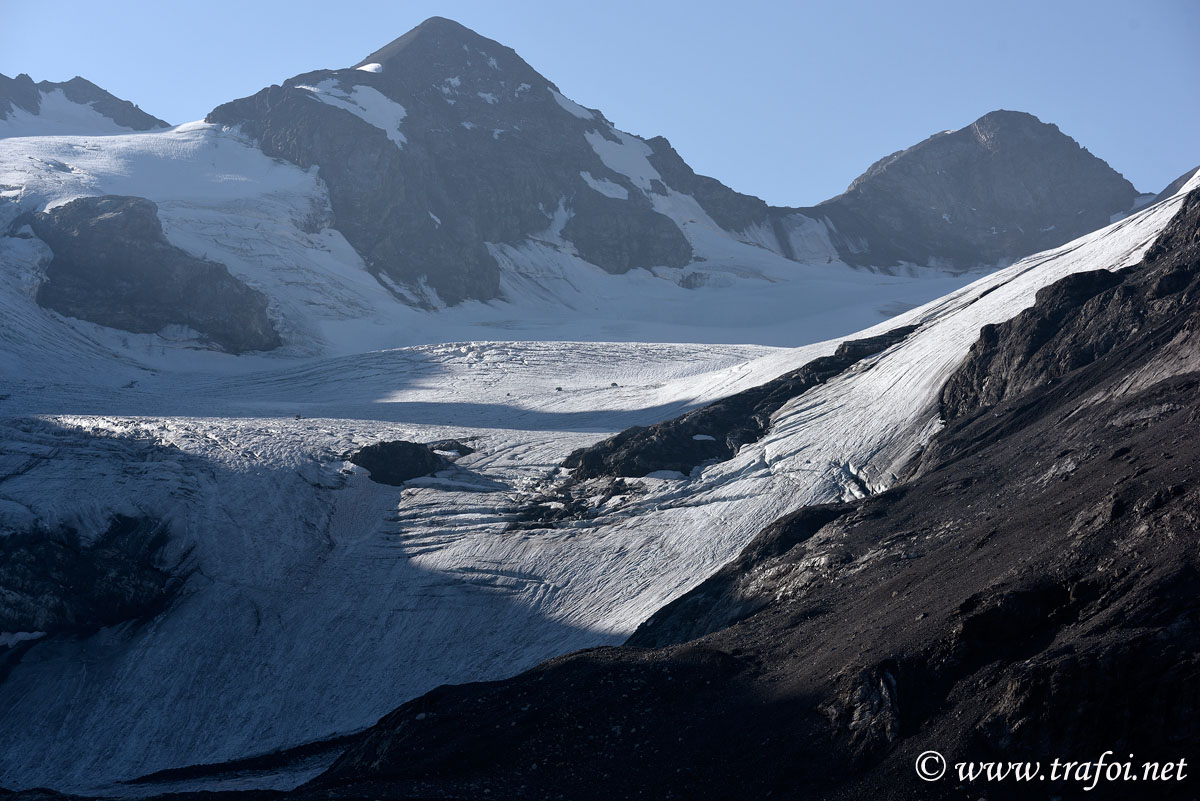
22	93
113	266
716	431
52	582
397	461
1081	319
1004	187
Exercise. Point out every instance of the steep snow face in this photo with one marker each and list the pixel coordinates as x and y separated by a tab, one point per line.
316	599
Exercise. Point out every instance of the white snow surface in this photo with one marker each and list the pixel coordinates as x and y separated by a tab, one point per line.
605	186
568	104
318	600
627	155
58	116
365	102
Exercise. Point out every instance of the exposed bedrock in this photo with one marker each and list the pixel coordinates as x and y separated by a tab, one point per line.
113	266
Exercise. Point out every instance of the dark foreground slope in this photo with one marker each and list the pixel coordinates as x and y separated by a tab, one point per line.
1033	593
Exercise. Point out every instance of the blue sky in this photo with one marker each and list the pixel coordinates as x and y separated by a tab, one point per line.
785	100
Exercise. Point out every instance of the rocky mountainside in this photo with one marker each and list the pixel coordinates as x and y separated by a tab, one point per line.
76	106
1005	186
1030	594
112	265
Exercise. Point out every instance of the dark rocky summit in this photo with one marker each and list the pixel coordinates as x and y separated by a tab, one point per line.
444	145
1031	593
399	460
488	155
22	93
113	265
1006	186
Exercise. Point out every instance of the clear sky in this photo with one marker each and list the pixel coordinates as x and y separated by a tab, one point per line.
785	100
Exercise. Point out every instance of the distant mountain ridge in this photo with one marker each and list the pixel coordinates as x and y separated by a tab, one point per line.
476	147
76	106
1007	185
443	171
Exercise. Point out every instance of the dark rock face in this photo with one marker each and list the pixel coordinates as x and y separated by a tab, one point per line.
1038	600
398	461
51	582
1080	319
21	92
112	265
715	432
612	234
488	156
1006	186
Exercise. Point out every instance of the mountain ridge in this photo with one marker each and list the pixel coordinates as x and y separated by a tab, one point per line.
407	69
21	94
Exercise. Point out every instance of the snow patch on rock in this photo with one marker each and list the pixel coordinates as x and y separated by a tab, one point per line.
365	102
570	105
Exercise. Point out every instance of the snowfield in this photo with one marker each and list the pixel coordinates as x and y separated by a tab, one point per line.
316	599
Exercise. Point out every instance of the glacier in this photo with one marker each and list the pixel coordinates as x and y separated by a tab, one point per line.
317	600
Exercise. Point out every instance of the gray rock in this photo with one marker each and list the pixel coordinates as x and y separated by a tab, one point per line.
113	266
1004	187
397	461
51	582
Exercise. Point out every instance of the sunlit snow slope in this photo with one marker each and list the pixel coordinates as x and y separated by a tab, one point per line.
315	599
